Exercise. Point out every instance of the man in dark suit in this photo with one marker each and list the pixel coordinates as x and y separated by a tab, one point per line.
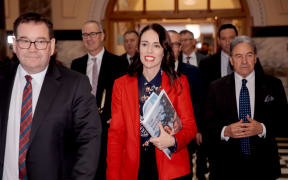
217	65
196	91
102	68
189	54
56	132
131	39
242	111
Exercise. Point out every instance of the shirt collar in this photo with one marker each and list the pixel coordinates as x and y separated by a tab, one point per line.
225	55
190	55
98	56
38	77
238	77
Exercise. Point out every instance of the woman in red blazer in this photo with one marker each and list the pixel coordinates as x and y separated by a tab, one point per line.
132	153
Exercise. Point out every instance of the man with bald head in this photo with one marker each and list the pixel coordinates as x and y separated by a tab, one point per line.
102	68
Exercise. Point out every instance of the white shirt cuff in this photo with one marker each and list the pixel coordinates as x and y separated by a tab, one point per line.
263	135
225	138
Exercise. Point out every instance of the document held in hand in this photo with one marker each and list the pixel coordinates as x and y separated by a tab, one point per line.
160	109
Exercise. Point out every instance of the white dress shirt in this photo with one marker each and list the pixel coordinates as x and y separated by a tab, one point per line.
176	65
128	58
251	88
224	63
11	170
89	69
192	60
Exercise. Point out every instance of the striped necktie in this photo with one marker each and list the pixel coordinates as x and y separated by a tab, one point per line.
25	127
244	109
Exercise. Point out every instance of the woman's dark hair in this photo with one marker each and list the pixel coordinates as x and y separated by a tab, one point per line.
168	62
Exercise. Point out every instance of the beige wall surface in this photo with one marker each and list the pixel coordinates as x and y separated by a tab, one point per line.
11	12
69	14
276	12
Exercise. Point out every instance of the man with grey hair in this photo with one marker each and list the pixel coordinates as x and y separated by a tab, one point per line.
102	68
189	54
242	110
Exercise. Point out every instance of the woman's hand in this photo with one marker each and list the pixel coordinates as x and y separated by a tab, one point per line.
165	140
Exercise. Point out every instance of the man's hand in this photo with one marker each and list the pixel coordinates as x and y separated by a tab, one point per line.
199	138
241	130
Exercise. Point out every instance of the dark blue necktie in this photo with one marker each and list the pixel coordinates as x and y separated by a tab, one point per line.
244	109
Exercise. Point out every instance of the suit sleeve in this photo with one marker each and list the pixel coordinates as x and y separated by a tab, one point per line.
116	134
87	128
184	109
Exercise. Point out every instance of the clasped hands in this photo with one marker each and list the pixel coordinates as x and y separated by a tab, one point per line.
165	140
241	130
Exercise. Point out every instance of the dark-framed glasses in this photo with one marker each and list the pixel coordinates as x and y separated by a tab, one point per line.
175	44
91	34
26	44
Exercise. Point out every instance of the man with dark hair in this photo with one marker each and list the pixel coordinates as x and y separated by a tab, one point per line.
49	124
242	111
217	65
189	54
102	68
131	39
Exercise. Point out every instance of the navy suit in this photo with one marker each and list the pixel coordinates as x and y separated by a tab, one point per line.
221	110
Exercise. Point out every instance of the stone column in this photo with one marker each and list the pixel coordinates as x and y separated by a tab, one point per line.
3	36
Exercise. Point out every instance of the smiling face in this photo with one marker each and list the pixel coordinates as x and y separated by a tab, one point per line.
93	44
151	51
33	60
243	59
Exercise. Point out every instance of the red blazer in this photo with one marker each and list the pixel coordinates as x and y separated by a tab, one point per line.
123	152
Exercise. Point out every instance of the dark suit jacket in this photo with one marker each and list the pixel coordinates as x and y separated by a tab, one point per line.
112	67
66	128
221	110
125	60
196	88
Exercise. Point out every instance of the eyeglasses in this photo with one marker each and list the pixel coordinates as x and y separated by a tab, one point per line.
175	44
26	44
92	34
185	40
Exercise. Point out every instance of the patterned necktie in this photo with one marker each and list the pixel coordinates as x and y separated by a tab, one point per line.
188	59
244	109
94	76
25	127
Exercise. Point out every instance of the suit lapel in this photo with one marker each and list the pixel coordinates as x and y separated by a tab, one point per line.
230	95
83	66
259	93
101	80
6	86
47	95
